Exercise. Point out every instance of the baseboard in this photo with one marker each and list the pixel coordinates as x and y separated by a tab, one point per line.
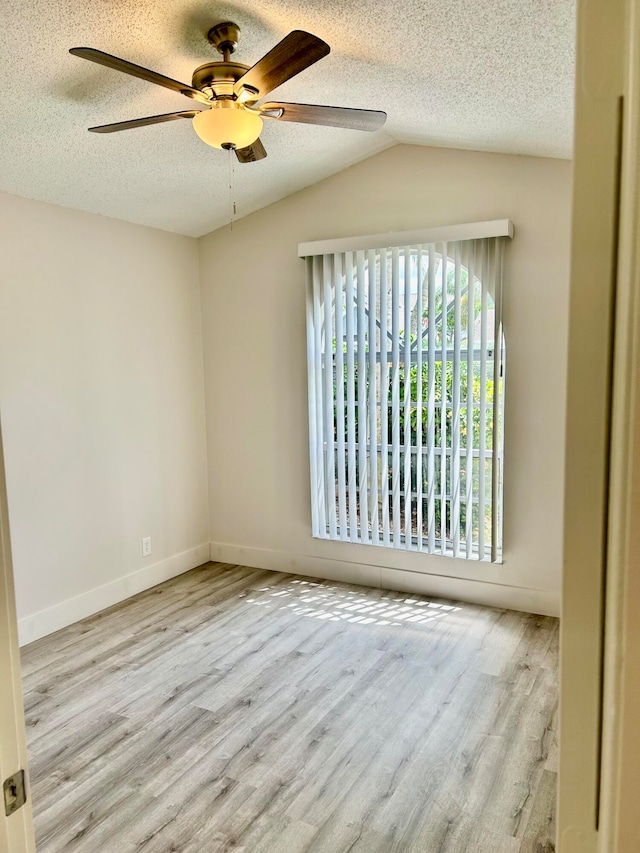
72	610
67	612
460	589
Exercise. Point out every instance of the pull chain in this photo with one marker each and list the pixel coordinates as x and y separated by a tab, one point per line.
232	200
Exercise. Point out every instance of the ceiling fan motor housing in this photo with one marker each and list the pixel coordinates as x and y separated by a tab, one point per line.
217	78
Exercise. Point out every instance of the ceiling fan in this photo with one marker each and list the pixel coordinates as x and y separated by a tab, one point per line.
230	116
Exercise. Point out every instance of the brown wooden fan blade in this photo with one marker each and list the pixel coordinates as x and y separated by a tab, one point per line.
142	122
251	153
329	116
289	57
118	64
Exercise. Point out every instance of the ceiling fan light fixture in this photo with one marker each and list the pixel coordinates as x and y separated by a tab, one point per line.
227	125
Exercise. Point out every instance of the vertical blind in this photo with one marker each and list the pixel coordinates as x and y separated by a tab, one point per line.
406	360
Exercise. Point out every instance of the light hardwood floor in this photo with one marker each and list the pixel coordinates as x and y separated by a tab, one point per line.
238	710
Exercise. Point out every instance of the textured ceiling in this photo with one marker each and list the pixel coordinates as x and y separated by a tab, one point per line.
493	75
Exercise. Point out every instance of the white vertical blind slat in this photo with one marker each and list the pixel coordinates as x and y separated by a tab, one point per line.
443	401
395	395
455	437
406	400
431	403
482	507
384	395
340	407
373	391
500	465
329	423
320	502
496	503
363	444
419	471
470	401
312	362
351	394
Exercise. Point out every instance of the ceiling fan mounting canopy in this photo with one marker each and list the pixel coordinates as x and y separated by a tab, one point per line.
228	92
224	37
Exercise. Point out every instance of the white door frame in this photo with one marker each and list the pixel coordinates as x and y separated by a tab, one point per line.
602	486
619	825
16	831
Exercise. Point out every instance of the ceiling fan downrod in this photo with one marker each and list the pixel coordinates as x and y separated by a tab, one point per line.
224	37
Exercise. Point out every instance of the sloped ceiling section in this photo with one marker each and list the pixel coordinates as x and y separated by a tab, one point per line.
494	75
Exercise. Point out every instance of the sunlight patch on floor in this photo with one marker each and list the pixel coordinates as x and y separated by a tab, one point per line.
320	601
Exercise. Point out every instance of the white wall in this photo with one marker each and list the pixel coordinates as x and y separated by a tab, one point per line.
102	407
102	387
255	370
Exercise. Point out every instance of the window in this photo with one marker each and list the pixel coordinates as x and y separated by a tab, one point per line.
406	388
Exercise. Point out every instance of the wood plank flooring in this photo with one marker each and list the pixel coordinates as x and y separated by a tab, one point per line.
233	709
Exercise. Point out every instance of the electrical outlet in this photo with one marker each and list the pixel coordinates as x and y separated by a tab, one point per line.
146	546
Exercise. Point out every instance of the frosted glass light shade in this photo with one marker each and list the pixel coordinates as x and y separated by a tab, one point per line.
227	124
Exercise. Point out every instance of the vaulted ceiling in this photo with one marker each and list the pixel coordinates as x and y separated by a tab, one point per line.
494	75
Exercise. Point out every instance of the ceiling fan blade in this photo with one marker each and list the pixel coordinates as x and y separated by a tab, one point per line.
329	116
289	57
118	64
251	153
142	122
